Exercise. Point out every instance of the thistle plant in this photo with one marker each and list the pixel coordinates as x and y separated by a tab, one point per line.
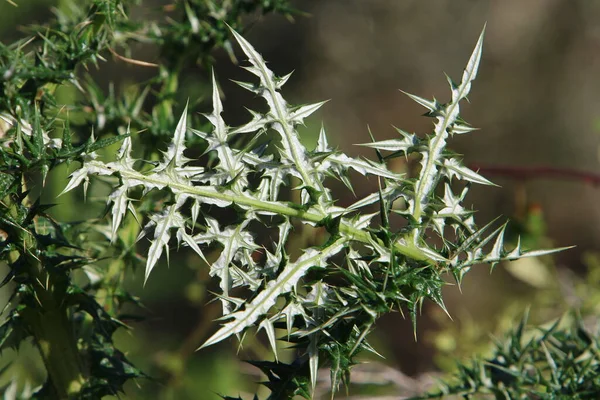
327	300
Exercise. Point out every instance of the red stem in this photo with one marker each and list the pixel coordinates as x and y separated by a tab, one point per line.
539	172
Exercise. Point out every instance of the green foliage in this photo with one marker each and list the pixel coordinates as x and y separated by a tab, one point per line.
548	363
556	359
71	323
324	302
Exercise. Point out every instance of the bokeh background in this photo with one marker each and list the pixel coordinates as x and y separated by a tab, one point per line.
536	100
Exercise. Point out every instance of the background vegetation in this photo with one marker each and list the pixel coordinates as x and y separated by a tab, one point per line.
536	100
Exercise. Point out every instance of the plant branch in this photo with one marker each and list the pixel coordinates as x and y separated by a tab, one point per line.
50	325
538	172
404	247
56	342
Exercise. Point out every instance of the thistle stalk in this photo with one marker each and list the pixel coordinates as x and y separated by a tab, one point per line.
53	335
48	321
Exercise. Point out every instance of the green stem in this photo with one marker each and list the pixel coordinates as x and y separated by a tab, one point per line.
53	332
46	316
55	340
405	247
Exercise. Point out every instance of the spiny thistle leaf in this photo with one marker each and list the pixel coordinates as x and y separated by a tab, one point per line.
173	157
282	118
284	283
446	116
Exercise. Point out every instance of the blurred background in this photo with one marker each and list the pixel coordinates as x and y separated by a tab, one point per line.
536	101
